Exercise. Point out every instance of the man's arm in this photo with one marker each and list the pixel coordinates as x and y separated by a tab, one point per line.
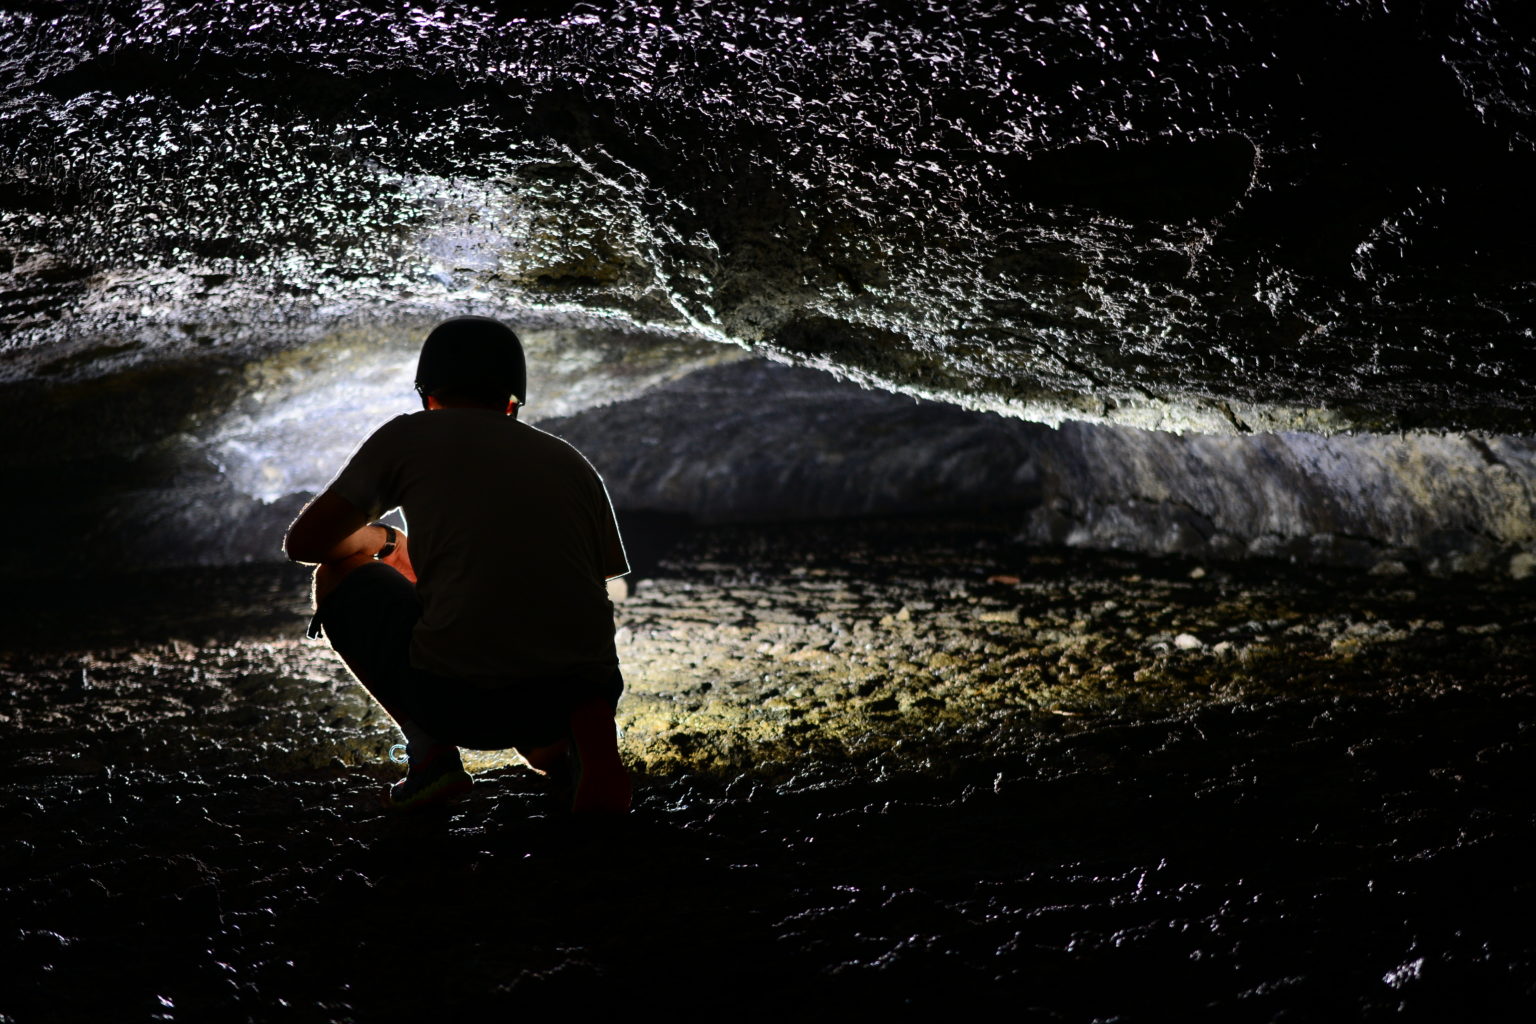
331	529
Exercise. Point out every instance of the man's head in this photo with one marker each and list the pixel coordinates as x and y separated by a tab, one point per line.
472	360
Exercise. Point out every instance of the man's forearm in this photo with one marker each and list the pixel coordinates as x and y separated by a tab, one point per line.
367	540
374	542
330	529
313	538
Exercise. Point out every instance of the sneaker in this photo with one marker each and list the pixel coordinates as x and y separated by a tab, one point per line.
434	778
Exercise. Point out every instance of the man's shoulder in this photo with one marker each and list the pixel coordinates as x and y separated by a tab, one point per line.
451	423
553	449
479	432
395	426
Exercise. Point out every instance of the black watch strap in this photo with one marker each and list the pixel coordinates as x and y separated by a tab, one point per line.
390	539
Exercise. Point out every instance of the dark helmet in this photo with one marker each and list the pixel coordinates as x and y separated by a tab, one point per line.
473	356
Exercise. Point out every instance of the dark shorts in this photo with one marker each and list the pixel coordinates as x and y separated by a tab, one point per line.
368	619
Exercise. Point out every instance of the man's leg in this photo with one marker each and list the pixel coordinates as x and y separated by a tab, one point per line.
603	785
583	766
370	630
328	575
599	788
546	760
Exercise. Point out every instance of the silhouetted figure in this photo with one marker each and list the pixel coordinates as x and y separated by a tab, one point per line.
491	628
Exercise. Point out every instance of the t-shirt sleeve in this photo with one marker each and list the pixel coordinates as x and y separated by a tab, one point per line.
615	561
367	480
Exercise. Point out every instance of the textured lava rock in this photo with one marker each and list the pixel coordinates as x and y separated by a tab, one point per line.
1221	217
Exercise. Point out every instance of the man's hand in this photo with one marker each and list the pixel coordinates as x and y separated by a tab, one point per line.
400	558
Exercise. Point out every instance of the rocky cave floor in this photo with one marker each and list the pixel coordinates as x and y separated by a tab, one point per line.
880	765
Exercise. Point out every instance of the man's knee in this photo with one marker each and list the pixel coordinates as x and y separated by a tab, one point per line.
328	575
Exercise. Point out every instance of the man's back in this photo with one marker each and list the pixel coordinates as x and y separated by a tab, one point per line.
512	536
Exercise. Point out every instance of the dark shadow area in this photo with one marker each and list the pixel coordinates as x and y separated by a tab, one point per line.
650	537
1165	180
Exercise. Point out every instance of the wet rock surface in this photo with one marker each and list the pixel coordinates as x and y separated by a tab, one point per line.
886	765
1224	217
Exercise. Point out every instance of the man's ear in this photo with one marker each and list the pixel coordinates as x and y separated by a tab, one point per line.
431	402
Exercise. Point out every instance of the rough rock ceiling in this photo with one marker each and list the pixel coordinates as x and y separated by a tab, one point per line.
1214	216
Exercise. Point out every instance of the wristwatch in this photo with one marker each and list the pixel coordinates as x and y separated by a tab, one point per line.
390	539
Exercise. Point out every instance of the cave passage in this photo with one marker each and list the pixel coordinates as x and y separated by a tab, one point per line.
1078	461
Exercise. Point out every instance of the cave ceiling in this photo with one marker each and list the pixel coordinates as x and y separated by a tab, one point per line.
1202	216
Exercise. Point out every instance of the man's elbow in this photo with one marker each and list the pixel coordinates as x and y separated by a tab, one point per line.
300	547
296	551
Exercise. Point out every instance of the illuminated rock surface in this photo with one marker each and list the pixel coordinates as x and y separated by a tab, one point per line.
1308	215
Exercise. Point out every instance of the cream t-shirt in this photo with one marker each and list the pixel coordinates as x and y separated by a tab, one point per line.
512	537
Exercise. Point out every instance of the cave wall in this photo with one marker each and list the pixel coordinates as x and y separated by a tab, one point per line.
757	441
162	473
1382	503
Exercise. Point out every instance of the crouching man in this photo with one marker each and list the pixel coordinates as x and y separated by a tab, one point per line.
491	628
